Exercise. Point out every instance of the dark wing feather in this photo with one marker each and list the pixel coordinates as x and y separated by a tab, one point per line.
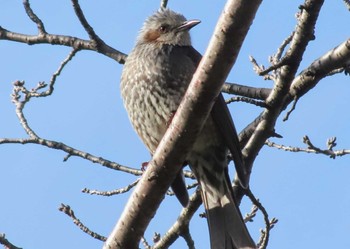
224	122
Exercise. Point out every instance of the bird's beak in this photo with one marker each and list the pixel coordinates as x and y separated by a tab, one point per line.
188	25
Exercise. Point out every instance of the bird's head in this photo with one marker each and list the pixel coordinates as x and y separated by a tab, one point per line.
167	27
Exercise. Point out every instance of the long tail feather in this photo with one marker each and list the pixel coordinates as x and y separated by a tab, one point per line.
226	225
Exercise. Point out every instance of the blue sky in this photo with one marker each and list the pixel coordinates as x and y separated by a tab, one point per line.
308	193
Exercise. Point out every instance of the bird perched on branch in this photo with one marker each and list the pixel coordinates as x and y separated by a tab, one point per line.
155	77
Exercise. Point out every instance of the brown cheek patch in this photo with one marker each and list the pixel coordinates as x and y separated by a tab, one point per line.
152	36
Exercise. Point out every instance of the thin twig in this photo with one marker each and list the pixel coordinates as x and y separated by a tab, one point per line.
34	17
260	69
246	100
68	211
163	3
63	40
7	244
291	109
312	148
113	192
264	240
59	70
336	71
145	243
21	95
72	151
277	57
190	186
181	223
249	217
78	11
347	4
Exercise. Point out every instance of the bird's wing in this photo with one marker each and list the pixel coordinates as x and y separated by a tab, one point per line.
222	118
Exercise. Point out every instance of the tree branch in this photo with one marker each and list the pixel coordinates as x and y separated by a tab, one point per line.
336	58
206	84
7	244
276	100
182	222
246	91
34	18
113	192
68	211
72	151
246	100
305	81
311	148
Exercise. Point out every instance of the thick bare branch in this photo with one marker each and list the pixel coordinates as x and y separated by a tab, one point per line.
188	238
206	84
338	57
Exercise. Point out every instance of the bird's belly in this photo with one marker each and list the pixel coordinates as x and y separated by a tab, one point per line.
151	108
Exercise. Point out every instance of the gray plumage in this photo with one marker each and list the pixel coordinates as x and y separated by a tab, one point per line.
154	80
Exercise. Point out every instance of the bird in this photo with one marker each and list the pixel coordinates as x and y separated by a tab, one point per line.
154	79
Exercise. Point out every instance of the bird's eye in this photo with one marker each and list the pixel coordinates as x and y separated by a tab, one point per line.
164	28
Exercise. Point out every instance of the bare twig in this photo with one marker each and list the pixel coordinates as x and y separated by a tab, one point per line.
264	71
246	100
78	11
291	109
113	192
163	3
72	151
187	237
331	143
7	244
277	57
256	67
28	94
190	186
277	61
156	237
63	40
312	148
246	91
264	240
145	243
68	211
34	18
21	95
181	223
249	217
